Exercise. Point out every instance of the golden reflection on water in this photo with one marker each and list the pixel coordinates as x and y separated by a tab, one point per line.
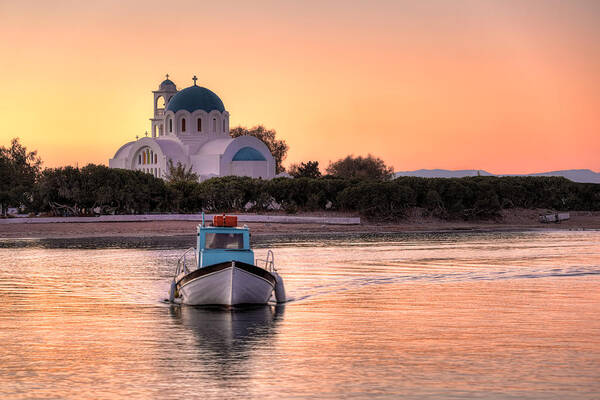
493	315
458	337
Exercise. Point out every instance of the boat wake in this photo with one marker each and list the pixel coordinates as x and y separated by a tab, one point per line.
356	283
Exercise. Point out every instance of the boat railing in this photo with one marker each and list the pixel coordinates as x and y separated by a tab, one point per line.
269	262
182	264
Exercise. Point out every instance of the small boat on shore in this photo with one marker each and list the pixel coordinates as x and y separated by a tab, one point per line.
223	271
555	217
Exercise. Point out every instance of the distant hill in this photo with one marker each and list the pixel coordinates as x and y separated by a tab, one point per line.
575	175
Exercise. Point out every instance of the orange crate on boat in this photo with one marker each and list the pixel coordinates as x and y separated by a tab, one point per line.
224	220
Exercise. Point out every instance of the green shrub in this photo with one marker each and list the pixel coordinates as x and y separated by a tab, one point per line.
74	191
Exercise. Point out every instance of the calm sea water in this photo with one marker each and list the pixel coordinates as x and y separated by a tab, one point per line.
486	315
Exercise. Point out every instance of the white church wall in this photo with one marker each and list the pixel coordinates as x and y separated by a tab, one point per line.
206	164
215	122
179	117
155	161
117	163
203	116
169	123
226	122
120	158
254	169
247	141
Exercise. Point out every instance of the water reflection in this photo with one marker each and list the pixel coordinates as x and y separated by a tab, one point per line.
227	339
507	315
107	242
323	239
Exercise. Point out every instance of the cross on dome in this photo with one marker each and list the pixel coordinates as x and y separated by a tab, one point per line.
194	79
167	76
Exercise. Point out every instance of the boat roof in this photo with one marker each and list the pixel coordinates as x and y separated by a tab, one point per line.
222	228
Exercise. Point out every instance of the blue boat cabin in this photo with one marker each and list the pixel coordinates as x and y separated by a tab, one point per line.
221	244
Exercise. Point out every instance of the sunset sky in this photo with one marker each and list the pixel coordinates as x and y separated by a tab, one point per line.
509	86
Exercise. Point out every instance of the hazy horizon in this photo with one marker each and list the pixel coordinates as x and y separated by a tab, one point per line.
505	86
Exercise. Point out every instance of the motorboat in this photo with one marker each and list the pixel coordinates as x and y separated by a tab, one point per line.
223	270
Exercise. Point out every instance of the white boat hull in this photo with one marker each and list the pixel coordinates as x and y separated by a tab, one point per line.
228	285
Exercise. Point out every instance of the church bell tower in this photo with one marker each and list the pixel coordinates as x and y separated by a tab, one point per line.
162	96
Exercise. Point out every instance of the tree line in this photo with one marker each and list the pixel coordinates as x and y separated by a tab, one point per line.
97	189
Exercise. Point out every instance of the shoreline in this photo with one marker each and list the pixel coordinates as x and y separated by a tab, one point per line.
515	220
197	218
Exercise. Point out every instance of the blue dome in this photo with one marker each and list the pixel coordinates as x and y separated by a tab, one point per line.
248	154
167	83
195	98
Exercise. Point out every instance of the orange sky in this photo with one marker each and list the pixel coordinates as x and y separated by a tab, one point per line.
508	86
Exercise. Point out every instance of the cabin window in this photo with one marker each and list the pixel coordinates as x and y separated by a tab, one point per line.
199	125
224	241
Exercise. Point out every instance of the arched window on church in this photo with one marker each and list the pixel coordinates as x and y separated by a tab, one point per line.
155	159
223	126
199	124
139	158
170	125
183	125
214	124
144	158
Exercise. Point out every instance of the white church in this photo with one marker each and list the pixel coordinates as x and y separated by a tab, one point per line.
191	126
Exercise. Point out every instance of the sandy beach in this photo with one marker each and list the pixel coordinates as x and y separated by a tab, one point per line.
512	220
